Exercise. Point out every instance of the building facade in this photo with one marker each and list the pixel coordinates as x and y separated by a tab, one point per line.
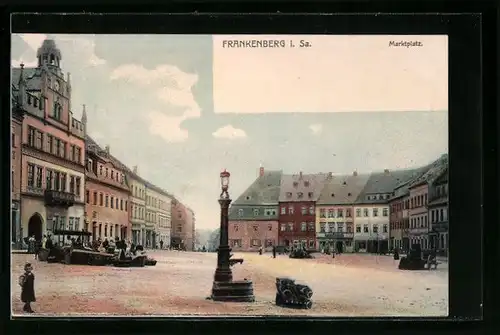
371	211
419	218
297	214
53	169
253	216
399	205
16	172
335	212
438	213
158	216
137	206
106	194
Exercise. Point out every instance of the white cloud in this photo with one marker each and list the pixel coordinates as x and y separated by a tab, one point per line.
229	132
82	45
167	127
316	128
173	87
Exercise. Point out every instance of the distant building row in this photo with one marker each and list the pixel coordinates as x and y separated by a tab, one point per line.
63	180
350	213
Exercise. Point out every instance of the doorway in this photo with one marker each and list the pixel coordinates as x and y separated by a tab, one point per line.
35	226
340	247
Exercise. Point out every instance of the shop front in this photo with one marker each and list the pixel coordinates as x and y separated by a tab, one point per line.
338	242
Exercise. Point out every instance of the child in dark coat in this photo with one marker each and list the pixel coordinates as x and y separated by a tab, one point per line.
27	282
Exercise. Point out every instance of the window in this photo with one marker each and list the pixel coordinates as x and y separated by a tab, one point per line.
63	181
31	136
70	225
303	226
100	170
310	226
57	181
358	212
358	228
283	227
331	227
95	198
236	243
340	227
375	229
31	175
72	152
322	227
349	228
87	196
322	213
304	210
255	228
365	228
300	195
112	174
255	212
311	210
348	213
236	228
365	212
385	212
62	223
290	210
112	202
311	244
270	227
255	243
106	174
283	210
62	149
290	227
375	211
306	183
48	179
384	228
38	181
340	213
295	184
77	185
310	194
240	212
107	201
39	140
121	204
289	194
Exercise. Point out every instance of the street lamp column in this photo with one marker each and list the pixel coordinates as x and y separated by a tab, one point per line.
224	288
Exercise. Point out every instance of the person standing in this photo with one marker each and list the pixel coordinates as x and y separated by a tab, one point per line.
27	282
38	245
161	244
274	251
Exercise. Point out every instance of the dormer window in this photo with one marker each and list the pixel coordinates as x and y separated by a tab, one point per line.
349	194
295	184
380	197
332	195
240	212
247	197
310	194
256	212
289	194
344	183
306	184
300	195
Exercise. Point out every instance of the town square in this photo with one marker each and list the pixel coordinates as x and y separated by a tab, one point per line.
154	175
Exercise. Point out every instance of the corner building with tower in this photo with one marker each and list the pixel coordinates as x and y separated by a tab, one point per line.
52	145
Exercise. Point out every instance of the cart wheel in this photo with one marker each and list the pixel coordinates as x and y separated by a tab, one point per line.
308	304
278	300
306	291
287	294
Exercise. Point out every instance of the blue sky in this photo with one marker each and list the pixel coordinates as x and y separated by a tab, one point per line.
151	99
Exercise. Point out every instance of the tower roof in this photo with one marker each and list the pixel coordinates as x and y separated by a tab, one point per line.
49	47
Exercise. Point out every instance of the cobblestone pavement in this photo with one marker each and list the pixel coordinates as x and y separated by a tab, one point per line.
349	285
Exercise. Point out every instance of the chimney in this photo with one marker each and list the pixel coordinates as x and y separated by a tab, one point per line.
386	171
107	149
261	171
300	175
355	173
135	169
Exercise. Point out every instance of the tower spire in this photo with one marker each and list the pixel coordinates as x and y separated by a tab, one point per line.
22	87
84	116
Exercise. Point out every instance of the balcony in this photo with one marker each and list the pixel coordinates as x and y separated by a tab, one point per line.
440	226
55	198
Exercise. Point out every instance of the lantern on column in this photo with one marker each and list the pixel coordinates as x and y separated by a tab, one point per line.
224	180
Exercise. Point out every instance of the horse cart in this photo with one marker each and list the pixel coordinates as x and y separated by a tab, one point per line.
290	294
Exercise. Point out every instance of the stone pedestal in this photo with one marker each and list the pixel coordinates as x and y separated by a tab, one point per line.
235	291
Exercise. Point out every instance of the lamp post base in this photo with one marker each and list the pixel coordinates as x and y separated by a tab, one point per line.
233	291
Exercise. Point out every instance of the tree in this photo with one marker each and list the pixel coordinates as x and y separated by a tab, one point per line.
213	241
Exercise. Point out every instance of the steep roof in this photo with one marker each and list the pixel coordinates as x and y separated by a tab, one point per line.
342	189
32	76
431	171
264	190
385	183
292	186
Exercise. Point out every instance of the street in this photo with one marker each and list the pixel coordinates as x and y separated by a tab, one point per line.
349	285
